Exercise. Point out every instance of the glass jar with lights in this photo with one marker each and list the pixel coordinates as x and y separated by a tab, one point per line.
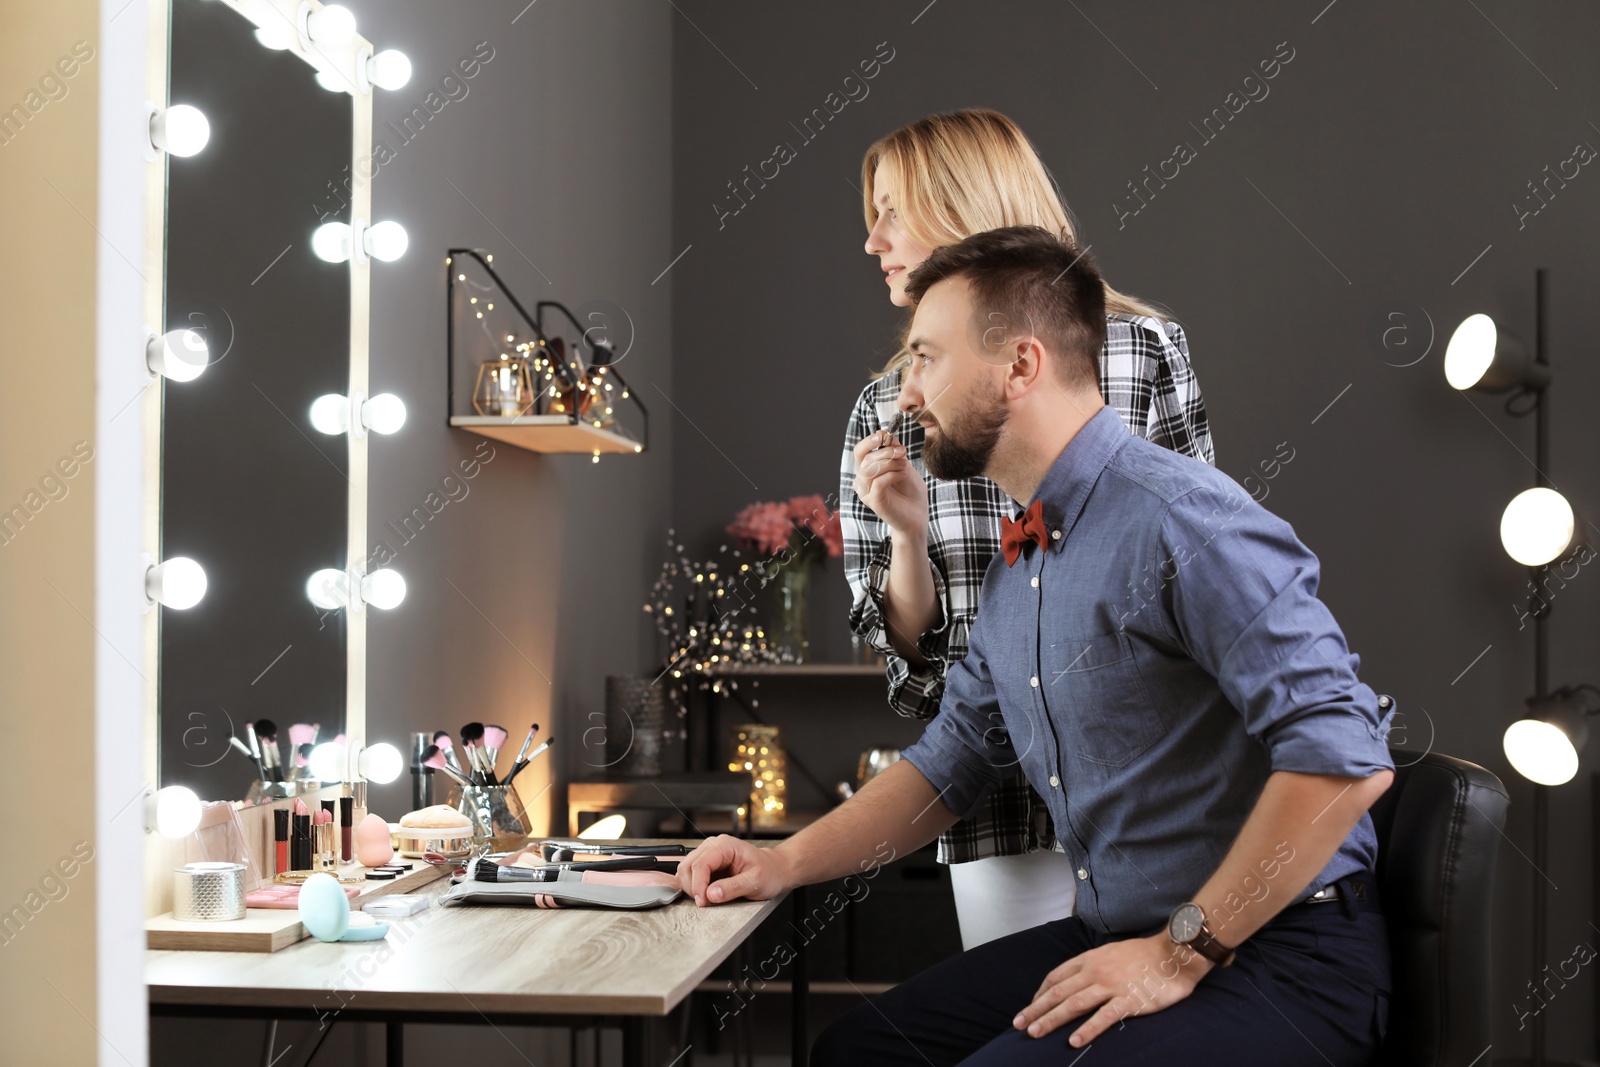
504	387
758	750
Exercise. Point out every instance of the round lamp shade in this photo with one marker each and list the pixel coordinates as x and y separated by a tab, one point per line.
1541	752
1537	527
1482	356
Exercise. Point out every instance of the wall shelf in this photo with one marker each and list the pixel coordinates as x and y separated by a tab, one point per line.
510	362
548	433
798	670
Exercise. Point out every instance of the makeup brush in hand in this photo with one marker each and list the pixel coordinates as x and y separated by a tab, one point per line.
434	758
493	738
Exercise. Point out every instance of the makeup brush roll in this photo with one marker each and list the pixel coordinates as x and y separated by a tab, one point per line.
208	892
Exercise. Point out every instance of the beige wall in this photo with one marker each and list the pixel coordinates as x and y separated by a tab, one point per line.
48	189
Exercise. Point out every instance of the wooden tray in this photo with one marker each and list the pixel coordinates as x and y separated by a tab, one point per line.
267	929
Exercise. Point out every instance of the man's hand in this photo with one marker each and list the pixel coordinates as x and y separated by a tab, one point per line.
1137	976
753	873
888	484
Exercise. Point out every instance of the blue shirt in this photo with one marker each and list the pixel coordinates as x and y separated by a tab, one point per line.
1149	669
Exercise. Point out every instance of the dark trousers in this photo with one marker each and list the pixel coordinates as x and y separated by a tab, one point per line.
1310	987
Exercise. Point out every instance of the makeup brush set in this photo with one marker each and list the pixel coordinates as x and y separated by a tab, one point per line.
481	745
573	874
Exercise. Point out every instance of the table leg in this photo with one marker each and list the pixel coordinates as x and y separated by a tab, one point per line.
799	987
635	1042
394	1045
268	1057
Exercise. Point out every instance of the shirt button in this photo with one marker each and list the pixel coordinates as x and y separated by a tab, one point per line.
1083	875
1034	681
1055	782
1036	581
1055	535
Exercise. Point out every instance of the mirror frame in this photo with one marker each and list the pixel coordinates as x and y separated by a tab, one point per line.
359	194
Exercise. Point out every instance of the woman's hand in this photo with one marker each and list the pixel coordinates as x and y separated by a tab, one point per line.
888	484
752	872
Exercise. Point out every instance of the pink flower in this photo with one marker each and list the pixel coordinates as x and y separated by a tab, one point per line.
811	514
765	525
832	534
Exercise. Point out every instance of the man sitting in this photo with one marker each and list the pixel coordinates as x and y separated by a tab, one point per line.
1150	648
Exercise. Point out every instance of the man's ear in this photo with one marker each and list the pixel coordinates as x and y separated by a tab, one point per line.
1027	367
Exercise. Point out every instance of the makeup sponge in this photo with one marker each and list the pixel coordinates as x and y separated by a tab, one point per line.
372	841
324	909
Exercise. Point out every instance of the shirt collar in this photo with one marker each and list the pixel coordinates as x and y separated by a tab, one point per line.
1067	483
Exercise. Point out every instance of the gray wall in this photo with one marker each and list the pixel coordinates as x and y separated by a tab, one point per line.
1384	160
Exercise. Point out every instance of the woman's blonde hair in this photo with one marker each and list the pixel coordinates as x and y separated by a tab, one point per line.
964	172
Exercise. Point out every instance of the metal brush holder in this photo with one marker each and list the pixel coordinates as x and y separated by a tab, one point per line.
499	821
208	892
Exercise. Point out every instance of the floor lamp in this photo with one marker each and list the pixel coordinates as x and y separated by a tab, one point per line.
1541	530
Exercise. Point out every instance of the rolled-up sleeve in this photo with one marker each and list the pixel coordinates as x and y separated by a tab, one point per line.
914	691
1242	600
966	750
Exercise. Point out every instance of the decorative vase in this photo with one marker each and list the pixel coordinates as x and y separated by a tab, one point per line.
633	741
499	821
794	587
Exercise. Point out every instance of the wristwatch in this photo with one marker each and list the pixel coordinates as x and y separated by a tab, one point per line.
1187	927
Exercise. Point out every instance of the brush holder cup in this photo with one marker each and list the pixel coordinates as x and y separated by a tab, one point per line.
499	821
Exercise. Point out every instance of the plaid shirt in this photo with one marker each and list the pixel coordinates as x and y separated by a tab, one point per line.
1145	375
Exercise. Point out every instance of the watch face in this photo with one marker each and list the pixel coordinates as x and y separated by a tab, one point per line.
1185	923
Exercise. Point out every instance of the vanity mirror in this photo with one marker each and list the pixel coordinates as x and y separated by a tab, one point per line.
265	417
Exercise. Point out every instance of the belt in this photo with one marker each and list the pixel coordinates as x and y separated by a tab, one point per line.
1353	892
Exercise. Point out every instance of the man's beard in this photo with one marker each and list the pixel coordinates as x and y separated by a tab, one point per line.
962	446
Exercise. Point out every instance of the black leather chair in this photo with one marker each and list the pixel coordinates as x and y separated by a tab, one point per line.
1438	829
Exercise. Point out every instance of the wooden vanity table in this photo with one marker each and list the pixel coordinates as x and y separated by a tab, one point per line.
486	964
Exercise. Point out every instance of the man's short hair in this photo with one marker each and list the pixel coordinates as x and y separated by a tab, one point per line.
1027	281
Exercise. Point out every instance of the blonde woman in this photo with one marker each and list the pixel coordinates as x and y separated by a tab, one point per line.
915	546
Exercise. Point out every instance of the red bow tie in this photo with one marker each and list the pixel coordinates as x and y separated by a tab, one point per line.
1013	535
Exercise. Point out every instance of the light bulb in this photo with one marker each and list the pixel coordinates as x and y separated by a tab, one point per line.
384	413
1537	527
328	589
173	811
1541	752
275	35
180	130
326	762
385	240
607	829
333	81
389	69
177	583
330	242
331	26
381	763
181	355
1470	351
330	413
383	589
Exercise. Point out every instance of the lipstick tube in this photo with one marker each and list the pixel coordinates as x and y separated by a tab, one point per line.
347	807
300	843
280	837
324	847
